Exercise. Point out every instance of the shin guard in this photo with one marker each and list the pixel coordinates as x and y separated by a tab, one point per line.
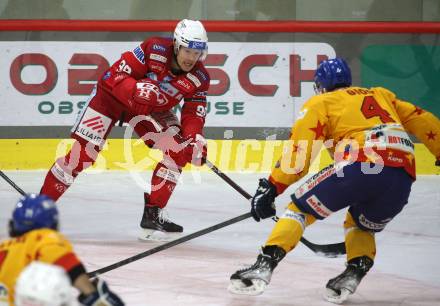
66	169
358	242
163	182
290	228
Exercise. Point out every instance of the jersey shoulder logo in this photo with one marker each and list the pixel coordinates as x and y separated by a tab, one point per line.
139	54
160	48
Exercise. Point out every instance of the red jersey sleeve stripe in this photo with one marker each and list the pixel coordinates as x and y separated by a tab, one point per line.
68	261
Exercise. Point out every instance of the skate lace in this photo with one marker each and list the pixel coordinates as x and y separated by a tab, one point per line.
260	264
245	268
164	216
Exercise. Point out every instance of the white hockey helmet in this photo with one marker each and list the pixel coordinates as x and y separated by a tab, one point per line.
41	284
191	34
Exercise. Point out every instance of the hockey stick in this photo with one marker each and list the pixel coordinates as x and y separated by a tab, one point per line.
169	245
7	179
153	250
327	250
330	250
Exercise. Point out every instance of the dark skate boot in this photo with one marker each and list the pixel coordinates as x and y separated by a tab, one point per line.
155	224
339	288
254	279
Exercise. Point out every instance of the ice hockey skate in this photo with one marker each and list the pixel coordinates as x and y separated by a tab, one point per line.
253	280
339	288
156	226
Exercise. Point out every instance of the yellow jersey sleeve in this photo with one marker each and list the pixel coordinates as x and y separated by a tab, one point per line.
42	244
307	136
422	124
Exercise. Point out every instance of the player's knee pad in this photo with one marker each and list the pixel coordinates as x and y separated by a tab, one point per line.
295	213
368	223
349	222
81	156
178	159
62	173
289	228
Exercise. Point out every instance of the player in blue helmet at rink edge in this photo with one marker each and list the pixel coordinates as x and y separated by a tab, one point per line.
34	237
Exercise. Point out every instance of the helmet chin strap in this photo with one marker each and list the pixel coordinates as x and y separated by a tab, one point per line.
11	229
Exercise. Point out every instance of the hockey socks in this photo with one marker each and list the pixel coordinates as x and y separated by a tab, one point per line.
163	182
357	241
66	169
57	181
290	227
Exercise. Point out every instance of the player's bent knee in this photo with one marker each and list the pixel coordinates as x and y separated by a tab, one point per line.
308	219
349	221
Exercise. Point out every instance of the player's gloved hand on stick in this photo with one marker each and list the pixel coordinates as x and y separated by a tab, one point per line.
147	95
437	162
197	150
263	202
101	297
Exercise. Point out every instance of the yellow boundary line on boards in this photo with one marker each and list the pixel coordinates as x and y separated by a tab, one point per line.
228	155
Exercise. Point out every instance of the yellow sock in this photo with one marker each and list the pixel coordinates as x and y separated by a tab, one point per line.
358	242
289	228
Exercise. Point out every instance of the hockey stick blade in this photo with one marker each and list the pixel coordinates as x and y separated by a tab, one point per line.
331	250
168	245
327	250
10	182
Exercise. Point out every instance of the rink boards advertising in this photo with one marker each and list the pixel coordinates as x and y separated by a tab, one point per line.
46	83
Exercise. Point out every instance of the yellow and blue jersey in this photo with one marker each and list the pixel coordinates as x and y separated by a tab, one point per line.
356	124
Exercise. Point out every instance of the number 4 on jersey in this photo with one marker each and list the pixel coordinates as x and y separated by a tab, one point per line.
370	108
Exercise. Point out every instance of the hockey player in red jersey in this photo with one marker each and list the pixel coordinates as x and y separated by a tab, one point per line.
141	88
366	129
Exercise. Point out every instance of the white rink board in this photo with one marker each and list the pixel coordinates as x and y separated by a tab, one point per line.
245	108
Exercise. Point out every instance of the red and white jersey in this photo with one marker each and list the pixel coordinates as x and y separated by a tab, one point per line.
152	59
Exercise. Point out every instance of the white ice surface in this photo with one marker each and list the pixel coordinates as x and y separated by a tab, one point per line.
101	214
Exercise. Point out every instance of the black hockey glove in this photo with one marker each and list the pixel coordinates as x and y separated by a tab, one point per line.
263	202
437	162
102	297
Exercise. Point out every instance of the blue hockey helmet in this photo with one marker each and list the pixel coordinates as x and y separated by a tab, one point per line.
31	212
332	74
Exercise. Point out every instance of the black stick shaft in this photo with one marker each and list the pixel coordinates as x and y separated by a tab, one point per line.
228	180
7	179
328	250
169	245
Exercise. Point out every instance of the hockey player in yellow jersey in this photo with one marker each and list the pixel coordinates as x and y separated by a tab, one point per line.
35	237
366	130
